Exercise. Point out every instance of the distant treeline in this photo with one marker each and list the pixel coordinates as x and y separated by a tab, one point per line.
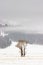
3	25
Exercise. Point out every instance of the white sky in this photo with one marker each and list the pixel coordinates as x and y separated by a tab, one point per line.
28	13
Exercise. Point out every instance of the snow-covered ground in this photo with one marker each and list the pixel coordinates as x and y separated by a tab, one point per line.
11	50
11	55
34	50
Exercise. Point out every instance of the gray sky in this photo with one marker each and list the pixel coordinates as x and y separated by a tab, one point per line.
28	13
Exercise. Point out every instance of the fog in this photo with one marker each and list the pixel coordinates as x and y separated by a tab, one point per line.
26	13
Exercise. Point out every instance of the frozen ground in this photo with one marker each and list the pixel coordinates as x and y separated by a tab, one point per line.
11	55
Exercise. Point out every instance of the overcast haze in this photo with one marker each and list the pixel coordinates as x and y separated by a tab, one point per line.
28	13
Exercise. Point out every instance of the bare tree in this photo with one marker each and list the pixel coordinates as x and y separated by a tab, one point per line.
22	45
